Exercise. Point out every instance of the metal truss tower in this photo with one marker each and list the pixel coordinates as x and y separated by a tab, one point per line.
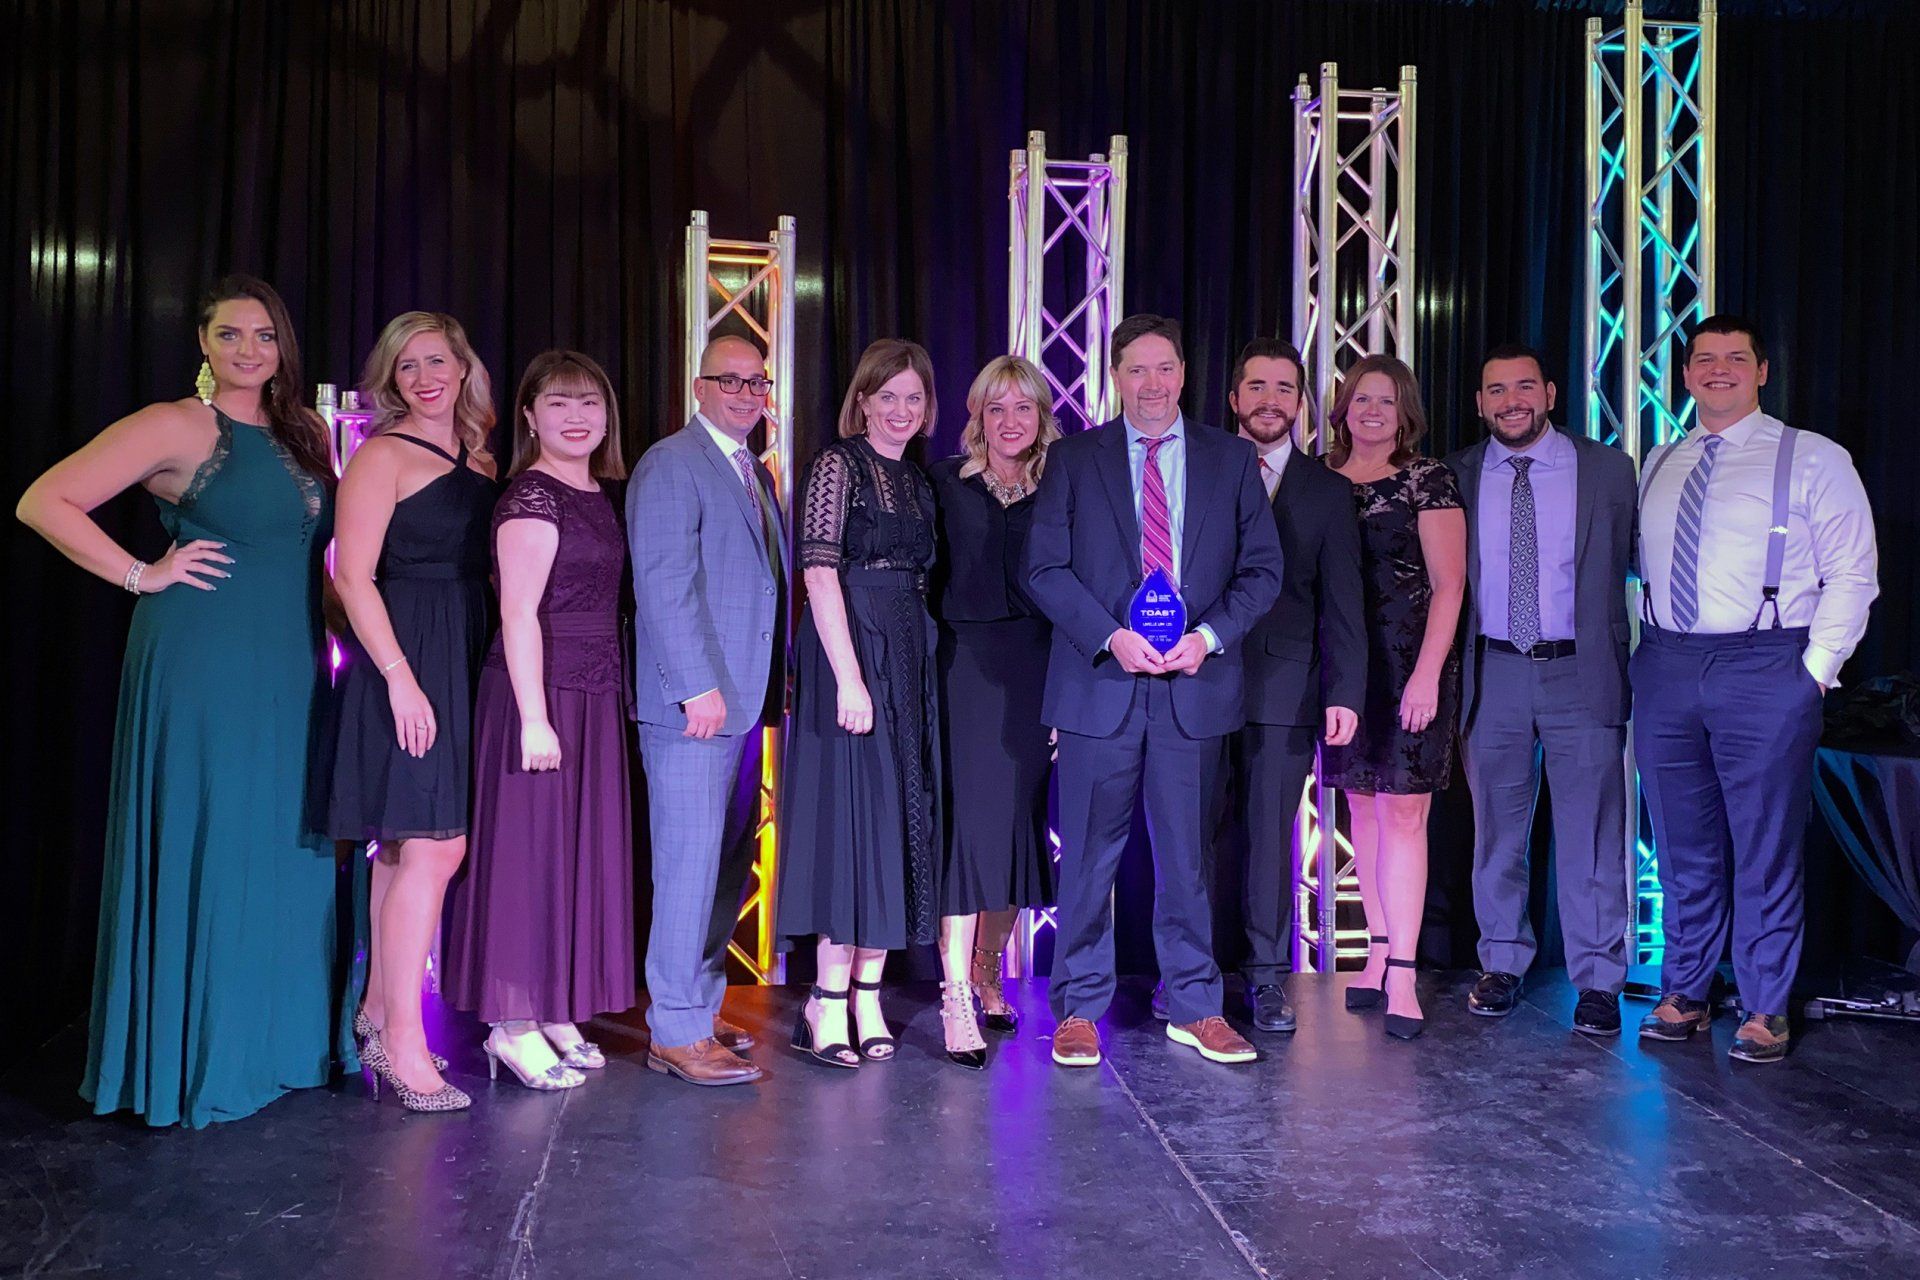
751	283
1066	260
1651	114
1353	295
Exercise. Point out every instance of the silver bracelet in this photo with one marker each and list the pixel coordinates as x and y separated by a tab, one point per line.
131	583
391	665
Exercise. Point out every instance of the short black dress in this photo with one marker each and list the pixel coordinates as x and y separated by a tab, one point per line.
433	577
993	671
860	813
1383	757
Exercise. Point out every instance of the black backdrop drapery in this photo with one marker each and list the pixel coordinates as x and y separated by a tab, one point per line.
529	167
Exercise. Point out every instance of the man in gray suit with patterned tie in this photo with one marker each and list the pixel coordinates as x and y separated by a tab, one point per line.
1550	520
709	585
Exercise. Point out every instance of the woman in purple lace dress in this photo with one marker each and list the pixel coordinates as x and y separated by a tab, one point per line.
542	934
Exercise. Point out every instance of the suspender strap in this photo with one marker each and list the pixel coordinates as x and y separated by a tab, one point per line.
1777	531
1782	493
1654	464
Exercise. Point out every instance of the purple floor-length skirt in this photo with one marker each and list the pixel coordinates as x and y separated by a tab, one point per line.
542	918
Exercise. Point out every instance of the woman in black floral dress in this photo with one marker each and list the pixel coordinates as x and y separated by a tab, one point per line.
1414	550
859	828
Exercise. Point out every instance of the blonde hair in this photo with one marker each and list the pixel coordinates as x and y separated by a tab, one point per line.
880	363
473	415
1005	373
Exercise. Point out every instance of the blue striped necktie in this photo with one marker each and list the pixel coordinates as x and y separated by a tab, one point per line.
1685	589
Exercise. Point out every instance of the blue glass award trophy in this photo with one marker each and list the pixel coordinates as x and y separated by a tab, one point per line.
1158	613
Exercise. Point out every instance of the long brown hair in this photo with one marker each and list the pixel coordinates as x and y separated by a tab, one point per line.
473	415
1406	395
880	363
569	373
290	423
1001	374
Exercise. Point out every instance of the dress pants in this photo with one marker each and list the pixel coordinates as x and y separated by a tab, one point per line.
1530	713
701	797
1267	767
1725	728
1099	780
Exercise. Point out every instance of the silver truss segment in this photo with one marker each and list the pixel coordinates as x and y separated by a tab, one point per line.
1067	223
1353	295
1652	108
1066	229
752	283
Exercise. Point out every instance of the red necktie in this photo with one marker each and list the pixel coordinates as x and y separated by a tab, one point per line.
1156	529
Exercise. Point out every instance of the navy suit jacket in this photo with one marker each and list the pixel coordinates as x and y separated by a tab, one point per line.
1083	566
1310	651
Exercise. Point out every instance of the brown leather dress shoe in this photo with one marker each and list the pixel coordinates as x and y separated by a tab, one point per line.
737	1039
1216	1040
1763	1038
704	1062
1076	1043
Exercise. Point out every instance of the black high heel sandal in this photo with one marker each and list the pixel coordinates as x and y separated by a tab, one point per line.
830	1055
1362	998
987	981
875	1048
1399	1027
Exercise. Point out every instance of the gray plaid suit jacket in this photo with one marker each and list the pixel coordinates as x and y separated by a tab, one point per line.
707	596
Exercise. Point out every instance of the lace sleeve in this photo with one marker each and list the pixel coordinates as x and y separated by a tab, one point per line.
528	498
1433	487
824	515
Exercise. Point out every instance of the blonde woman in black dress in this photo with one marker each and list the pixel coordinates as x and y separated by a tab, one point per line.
993	670
410	563
1413	552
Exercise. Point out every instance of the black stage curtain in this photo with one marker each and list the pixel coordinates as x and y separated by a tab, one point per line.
529	167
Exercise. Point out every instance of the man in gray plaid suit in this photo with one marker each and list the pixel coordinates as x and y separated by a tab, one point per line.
709	585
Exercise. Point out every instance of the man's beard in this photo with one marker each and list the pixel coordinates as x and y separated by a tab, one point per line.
1537	427
1255	428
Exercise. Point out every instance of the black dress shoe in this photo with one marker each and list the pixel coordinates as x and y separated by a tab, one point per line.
1268	1007
1496	993
1159	1003
1597	1014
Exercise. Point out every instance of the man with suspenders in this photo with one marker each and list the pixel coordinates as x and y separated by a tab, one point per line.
1758	562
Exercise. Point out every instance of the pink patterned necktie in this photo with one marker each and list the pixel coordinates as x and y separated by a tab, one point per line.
1156	528
742	460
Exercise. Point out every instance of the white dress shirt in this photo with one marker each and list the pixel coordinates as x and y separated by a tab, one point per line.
1831	572
1275	456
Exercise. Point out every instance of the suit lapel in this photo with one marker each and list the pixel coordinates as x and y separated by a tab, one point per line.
1584	481
1118	475
730	481
1472	459
1203	476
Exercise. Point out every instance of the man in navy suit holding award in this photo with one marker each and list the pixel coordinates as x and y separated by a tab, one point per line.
1127	511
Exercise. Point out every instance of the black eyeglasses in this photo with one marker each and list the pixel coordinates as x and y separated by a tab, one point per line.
731	383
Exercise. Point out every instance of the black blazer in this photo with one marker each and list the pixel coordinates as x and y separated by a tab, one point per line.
1606	502
1295	668
980	572
1083	566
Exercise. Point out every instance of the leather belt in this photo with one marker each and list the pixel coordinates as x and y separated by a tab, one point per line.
1542	651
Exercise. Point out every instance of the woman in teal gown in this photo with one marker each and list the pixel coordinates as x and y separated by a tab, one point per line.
215	970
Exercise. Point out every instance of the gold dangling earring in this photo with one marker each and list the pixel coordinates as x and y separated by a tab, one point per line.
203	384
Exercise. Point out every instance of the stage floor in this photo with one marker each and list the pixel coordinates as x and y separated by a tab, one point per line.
1486	1149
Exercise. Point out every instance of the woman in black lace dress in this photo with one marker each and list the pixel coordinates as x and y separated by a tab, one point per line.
860	826
1413	540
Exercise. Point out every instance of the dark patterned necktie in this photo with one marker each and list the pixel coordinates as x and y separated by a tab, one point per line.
1523	580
